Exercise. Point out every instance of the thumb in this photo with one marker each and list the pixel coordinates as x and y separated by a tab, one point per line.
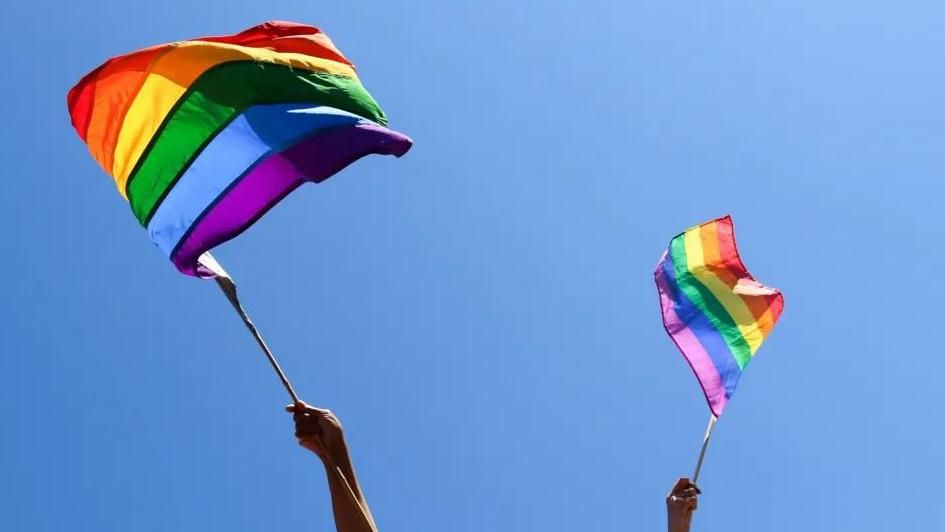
294	408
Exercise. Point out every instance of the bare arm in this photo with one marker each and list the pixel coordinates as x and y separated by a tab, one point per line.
681	502
320	432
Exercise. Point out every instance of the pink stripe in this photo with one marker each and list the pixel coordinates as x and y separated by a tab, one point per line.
696	355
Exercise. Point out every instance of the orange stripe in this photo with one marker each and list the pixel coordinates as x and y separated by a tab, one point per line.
119	80
712	248
730	269
710	244
115	89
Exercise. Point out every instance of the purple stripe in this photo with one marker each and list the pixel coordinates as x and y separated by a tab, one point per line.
689	316
314	159
693	351
258	132
697	321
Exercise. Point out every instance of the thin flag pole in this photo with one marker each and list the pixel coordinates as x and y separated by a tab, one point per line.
705	445
228	287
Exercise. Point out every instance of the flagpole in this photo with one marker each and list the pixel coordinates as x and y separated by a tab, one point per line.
705	445
228	287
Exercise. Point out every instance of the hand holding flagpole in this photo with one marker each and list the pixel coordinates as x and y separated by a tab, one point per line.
228	287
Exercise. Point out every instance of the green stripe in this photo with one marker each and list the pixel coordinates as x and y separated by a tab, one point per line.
217	97
706	302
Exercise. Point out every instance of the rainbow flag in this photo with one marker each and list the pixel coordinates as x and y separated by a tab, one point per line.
713	309
203	137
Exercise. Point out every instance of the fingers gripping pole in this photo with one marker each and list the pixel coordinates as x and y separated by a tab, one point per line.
228	287
705	445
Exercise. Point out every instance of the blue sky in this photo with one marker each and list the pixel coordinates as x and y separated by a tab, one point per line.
481	313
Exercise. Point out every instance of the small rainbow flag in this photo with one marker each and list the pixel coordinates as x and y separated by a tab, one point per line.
713	309
204	136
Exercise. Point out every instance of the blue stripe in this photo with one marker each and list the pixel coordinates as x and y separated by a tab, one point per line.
710	338
258	132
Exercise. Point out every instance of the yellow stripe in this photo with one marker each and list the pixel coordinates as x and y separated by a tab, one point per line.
733	303
172	75
103	123
713	258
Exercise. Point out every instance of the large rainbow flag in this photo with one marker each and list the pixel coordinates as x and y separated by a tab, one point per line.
713	309
203	137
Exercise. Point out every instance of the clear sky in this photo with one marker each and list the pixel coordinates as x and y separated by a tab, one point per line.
481	313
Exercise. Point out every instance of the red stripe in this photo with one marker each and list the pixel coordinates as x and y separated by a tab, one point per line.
287	37
80	100
727	248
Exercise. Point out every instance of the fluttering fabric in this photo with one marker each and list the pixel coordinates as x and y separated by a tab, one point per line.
204	136
717	314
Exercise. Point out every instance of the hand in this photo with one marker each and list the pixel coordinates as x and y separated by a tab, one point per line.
680	503
319	431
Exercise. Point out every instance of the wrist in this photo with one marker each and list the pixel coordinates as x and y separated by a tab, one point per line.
337	454
678	525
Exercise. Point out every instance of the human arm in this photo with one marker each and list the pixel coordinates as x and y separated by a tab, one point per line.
681	502
321	432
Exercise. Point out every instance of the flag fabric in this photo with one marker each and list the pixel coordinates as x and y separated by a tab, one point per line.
204	136
717	314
